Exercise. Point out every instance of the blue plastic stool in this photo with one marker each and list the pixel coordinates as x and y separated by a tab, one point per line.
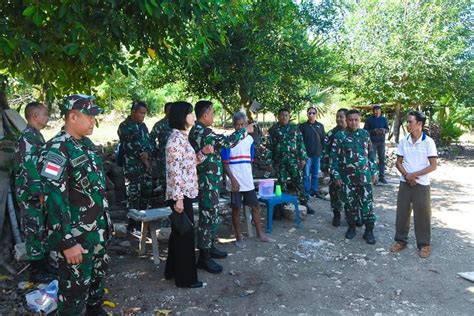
271	201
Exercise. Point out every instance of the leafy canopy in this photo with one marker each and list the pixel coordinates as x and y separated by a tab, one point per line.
70	45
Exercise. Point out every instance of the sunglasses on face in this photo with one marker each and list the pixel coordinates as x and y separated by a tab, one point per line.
311	113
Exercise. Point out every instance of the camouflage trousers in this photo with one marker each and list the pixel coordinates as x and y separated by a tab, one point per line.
336	197
291	169
139	190
34	230
358	200
209	219
81	284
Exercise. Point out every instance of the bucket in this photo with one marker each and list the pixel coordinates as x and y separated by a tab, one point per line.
266	187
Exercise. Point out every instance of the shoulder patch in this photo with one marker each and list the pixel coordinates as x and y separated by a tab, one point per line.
55	158
52	170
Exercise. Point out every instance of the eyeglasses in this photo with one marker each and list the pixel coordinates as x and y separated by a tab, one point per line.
311	113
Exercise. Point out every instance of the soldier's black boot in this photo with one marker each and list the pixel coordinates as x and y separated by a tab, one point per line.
205	262
95	310
336	220
38	272
217	254
369	234
351	231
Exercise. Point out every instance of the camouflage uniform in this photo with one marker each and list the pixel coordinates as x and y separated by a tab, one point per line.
159	135
136	140
76	203
285	150
209	177
28	188
335	193
352	161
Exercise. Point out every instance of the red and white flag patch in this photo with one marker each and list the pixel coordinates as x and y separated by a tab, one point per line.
52	168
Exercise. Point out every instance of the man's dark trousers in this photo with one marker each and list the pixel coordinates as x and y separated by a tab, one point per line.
379	150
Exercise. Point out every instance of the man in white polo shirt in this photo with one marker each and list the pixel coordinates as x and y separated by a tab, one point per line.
238	168
416	158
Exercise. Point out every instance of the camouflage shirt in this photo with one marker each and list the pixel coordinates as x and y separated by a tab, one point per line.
27	152
159	135
135	140
352	159
75	192
211	170
285	144
328	139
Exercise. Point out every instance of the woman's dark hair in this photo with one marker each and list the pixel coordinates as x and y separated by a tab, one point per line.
178	112
419	117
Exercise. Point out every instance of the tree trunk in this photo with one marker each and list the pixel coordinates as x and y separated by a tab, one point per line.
3	92
398	119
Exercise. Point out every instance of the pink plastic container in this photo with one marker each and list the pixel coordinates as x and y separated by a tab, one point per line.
266	187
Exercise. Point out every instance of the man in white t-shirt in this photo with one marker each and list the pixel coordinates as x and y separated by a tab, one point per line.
416	158
238	168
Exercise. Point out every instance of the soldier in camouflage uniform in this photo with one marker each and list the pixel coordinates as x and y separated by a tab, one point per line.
29	191
159	135
209	178
335	192
287	154
138	149
354	168
78	223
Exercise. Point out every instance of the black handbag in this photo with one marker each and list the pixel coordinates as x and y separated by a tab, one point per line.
181	223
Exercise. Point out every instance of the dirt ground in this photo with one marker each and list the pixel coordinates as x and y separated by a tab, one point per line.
314	270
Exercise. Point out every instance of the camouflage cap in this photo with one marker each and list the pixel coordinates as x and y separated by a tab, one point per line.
83	103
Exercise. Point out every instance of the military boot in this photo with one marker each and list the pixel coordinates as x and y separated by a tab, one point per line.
95	310
38	272
336	220
205	262
217	254
369	234
351	231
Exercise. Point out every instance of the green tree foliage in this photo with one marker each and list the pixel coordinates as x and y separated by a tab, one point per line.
275	53
412	52
70	45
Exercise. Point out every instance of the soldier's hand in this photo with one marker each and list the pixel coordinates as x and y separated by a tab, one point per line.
250	128
374	179
74	254
235	185
208	149
269	168
41	199
338	183
302	163
179	206
144	156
